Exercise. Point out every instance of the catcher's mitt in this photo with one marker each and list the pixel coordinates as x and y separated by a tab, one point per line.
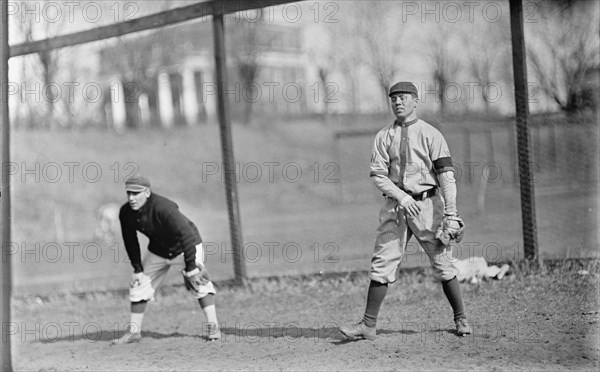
451	228
194	281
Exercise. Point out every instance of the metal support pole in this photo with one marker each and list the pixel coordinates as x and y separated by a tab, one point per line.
5	354
227	149
530	245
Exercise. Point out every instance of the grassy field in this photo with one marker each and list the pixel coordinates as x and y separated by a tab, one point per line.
532	320
307	206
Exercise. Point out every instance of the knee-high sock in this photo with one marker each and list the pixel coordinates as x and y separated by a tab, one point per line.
207	303
137	316
377	292
454	296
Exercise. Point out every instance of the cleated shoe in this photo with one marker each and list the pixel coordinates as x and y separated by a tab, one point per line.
214	332
358	331
462	327
128	338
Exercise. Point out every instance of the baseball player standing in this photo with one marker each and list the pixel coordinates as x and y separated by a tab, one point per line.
174	242
411	166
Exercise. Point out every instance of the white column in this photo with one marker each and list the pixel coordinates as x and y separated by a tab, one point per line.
209	95
165	100
117	103
144	110
190	105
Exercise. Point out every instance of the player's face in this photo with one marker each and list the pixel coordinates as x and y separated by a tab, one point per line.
403	105
138	199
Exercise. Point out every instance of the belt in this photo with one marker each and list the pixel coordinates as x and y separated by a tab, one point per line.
421	196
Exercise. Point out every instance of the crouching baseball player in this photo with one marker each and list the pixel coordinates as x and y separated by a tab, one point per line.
411	166
174	241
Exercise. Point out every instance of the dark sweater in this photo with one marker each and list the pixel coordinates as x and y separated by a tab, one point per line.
169	231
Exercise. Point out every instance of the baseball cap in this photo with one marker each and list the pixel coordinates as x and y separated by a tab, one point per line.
404	87
136	184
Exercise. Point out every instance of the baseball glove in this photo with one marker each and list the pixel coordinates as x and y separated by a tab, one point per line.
451	228
194	281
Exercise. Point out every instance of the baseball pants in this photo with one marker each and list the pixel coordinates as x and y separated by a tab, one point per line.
395	230
156	268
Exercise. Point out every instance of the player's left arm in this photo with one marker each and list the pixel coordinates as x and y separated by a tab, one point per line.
442	165
452	226
448	188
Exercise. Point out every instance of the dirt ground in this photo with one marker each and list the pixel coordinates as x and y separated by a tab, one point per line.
542	320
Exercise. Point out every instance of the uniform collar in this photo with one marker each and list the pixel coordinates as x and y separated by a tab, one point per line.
406	124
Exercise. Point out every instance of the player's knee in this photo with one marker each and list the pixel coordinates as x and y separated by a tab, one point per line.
381	278
445	275
204	291
142	292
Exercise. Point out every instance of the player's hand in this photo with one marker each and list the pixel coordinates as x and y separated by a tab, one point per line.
136	279
451	228
410	206
195	278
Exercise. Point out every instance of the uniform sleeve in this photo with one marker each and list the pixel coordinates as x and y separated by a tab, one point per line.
387	187
440	154
380	158
132	245
442	164
184	236
380	165
448	187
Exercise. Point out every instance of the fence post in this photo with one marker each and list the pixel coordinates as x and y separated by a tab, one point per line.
5	281
530	244
235	228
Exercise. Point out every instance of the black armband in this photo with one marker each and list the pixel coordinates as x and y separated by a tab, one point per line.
442	165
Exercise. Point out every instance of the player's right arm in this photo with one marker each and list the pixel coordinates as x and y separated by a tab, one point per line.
132	245
380	167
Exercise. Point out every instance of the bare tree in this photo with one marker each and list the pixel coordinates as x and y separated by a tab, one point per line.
444	63
138	59
347	58
488	65
323	56
564	45
370	36
32	25
249	39
246	52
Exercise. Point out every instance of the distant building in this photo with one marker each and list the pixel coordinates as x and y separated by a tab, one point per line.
167	77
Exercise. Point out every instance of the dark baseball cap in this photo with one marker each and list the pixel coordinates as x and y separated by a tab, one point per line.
404	87
137	184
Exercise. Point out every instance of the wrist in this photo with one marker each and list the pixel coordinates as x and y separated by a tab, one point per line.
405	200
193	272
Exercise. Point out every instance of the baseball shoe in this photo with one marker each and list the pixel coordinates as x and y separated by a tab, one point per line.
214	332
463	327
359	330
128	338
